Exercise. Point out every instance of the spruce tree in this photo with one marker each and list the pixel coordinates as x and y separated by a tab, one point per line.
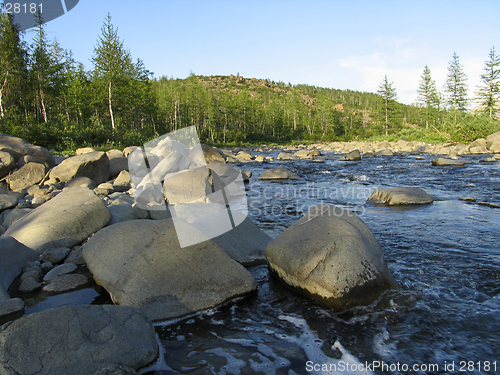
388	92
456	85
427	93
13	72
112	66
489	92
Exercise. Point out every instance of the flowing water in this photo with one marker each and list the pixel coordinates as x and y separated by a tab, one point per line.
446	256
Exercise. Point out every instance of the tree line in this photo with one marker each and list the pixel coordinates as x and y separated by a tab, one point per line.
50	99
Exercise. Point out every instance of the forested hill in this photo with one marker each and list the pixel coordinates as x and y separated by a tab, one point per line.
235	108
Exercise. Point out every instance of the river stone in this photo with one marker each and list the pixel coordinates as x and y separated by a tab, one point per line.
77	340
55	255
141	263
7	201
401	196
351	156
492	138
83	182
63	269
279	173
284	156
84	150
13	257
478	150
12	216
128	150
494	147
117	162
29	174
7	163
331	256
187	186
29	285
18	147
212	154
9	309
442	162
384	152
94	165
64	221
65	283
122	182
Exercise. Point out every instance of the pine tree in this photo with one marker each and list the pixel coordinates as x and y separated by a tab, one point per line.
489	93
13	72
388	92
427	93
112	66
456	85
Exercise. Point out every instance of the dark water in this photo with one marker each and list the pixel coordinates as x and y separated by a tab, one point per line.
445	256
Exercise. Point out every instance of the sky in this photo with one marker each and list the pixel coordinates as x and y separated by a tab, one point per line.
348	44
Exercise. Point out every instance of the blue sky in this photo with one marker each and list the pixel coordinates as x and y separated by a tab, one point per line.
339	44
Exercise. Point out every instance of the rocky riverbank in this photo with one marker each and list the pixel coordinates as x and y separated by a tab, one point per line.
68	223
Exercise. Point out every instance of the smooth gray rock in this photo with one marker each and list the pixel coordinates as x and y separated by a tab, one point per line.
7	163
187	186
384	152
284	156
29	174
75	256
13	257
19	147
63	269
279	173
401	196
354	155
9	309
65	283
64	221
81	182
125	212
122	182
442	162
212	154
7	201
55	255
141	263
117	162
331	256
94	165
12	216
77	340
29	285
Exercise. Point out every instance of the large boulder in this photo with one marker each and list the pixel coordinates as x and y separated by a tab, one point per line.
18	147
442	162
282	156
401	196
492	138
141	263
94	165
279	173
78	340
29	174
187	186
494	147
117	162
212	154
7	163
64	221
13	257
331	256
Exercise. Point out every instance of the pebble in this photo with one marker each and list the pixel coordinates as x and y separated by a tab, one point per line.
29	285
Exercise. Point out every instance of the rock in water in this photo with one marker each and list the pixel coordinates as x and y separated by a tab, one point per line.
442	162
77	340
64	221
141	263
401	196
279	173
351	156
94	165
331	256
